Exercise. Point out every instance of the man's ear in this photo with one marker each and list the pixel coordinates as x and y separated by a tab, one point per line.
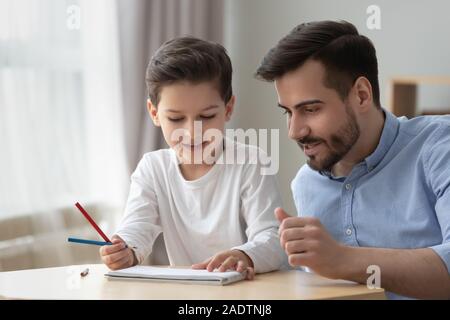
229	108
363	94
153	112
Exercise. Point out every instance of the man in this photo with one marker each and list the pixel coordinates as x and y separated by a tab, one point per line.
376	188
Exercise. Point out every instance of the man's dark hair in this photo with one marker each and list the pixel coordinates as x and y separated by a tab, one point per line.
345	54
192	60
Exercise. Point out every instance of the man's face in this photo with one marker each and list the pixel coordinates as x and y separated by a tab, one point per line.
323	125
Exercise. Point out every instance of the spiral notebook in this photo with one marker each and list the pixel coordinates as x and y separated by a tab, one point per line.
176	275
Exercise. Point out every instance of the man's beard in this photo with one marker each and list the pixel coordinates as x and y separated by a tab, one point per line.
339	145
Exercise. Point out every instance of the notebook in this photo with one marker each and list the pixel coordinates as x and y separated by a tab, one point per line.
176	275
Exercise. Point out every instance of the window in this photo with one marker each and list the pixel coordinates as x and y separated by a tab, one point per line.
61	137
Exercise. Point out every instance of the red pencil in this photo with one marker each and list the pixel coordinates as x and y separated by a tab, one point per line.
92	222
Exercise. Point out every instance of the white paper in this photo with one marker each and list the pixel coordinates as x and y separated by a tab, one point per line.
177	274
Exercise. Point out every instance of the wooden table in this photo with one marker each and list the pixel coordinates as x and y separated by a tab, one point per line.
66	283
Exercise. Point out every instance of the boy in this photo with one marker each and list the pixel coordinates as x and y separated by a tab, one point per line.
214	215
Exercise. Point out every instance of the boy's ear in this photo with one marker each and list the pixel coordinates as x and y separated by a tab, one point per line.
153	112
229	108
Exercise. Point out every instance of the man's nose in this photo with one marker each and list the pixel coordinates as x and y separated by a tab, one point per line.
297	129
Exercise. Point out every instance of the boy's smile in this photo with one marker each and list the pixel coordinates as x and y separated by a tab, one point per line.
187	114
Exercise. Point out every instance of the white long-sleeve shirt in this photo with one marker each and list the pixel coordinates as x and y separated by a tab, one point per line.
230	207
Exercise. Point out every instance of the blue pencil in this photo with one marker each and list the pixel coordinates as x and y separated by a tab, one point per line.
83	241
97	243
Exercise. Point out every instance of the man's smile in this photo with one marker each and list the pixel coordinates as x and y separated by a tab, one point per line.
311	149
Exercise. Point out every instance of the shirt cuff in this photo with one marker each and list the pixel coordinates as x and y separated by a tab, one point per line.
443	251
265	258
248	247
139	251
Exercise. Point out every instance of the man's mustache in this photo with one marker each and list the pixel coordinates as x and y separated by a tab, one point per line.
308	140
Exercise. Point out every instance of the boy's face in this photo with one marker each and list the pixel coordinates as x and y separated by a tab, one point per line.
187	113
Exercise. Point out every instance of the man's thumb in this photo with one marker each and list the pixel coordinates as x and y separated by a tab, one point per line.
281	214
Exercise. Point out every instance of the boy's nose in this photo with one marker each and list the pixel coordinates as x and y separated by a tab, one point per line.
196	132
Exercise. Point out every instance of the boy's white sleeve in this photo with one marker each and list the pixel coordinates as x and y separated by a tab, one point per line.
140	225
259	198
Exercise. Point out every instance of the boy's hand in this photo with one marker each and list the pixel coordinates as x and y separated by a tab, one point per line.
229	259
117	256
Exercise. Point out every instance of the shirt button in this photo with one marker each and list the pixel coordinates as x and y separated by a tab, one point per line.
348	232
348	186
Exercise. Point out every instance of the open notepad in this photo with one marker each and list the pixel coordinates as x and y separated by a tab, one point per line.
176	275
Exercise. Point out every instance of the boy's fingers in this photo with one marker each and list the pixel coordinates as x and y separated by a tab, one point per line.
201	265
109	249
105	250
215	262
114	257
229	263
240	266
120	264
250	273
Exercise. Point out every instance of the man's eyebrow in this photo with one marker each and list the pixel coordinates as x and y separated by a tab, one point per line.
205	109
302	103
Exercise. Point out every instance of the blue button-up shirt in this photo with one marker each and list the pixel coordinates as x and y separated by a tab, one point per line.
398	197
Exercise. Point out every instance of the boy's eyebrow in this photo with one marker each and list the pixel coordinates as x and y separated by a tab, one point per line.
302	103
205	109
210	107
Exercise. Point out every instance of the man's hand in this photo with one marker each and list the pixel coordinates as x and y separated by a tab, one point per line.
307	243
418	273
229	259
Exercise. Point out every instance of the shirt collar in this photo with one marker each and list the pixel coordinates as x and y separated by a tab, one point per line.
388	135
387	138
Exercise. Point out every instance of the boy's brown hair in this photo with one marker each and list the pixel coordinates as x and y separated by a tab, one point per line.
192	60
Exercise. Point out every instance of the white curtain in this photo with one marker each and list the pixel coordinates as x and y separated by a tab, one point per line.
61	136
